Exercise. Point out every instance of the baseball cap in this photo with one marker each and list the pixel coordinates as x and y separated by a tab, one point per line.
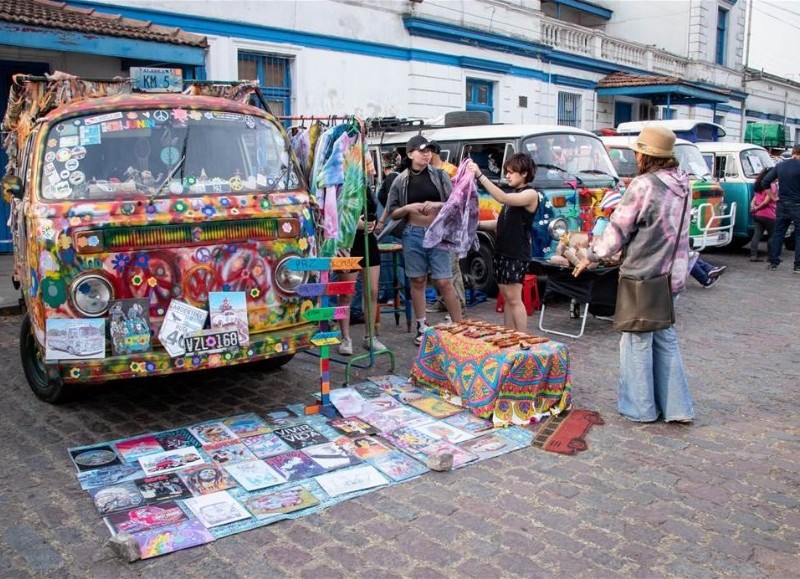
434	147
416	143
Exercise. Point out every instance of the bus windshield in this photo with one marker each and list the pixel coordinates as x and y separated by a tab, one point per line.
754	160
164	152
691	161
563	156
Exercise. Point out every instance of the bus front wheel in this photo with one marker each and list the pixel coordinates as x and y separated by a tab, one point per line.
480	268
45	388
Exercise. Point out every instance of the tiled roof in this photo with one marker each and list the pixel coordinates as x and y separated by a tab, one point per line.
620	79
60	15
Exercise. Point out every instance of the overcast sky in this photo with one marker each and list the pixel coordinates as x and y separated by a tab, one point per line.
775	37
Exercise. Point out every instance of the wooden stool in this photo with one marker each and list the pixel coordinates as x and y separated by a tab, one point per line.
530	295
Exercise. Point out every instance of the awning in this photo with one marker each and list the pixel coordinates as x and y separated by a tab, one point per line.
661	90
56	26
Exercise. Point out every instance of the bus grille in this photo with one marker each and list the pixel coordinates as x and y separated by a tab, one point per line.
152	237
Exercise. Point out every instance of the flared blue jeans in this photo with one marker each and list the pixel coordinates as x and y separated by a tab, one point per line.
652	379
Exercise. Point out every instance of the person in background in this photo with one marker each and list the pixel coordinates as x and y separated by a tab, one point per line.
364	235
439	163
646	225
706	274
763	209
458	278
787	210
390	173
415	198
390	162
513	226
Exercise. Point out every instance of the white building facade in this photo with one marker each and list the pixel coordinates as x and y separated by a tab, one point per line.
522	61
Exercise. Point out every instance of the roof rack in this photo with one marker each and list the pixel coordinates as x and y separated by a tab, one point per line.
393	125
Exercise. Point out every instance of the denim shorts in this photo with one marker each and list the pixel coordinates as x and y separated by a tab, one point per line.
421	261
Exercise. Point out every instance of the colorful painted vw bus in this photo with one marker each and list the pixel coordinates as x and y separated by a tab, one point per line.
712	220
736	166
573	173
158	197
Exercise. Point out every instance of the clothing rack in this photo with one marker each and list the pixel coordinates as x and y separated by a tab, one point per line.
329	121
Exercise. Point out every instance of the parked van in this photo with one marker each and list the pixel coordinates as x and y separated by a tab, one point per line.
736	166
163	197
573	173
688	129
712	220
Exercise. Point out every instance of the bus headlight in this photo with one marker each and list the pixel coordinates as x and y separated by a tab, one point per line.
557	227
90	295
286	279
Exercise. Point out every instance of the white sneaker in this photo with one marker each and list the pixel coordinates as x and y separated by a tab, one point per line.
377	345
421	329
346	347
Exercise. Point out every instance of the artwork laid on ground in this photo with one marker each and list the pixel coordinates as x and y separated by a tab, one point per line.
197	483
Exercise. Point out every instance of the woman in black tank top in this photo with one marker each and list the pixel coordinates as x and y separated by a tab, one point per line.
513	232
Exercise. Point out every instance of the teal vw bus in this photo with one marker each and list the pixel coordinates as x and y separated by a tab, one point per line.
736	166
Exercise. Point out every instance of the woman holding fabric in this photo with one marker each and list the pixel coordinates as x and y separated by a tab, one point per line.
415	198
513	226
651	226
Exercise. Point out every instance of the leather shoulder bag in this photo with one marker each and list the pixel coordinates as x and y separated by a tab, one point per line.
645	305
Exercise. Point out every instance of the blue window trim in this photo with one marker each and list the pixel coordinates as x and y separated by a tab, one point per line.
70	41
281	93
472	103
722	33
570	81
587	7
576	120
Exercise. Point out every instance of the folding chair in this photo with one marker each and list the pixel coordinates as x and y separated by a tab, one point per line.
595	287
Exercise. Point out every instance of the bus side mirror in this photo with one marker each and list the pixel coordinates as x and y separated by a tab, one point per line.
12	187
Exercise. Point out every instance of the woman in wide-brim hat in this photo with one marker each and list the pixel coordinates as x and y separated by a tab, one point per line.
646	226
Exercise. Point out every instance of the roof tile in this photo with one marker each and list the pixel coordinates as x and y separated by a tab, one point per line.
59	15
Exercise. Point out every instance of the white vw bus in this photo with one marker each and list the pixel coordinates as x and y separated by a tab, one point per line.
572	188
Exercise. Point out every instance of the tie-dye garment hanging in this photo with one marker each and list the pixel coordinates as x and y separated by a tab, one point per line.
341	166
455	228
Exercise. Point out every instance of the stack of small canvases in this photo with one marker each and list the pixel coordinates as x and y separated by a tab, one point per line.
188	486
128	320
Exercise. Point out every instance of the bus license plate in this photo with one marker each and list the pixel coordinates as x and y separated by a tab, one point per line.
211	341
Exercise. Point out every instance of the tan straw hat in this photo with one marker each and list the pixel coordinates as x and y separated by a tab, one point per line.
655	141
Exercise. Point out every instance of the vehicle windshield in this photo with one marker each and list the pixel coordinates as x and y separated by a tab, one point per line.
691	161
624	161
754	160
165	152
562	157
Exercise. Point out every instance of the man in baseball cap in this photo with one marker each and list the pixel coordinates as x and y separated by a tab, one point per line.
417	143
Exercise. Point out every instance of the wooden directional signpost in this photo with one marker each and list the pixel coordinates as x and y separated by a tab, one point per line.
324	314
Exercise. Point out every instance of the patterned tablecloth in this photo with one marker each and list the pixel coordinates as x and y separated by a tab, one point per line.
509	385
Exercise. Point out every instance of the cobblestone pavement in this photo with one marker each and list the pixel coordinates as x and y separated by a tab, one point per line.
716	498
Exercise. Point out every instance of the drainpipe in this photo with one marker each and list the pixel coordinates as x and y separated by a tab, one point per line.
785	110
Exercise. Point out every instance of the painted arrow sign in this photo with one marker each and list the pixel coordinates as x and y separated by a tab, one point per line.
326	338
332	288
323	263
327	314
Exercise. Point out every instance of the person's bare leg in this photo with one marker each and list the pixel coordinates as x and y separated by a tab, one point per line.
418	296
445	287
374	280
515	308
